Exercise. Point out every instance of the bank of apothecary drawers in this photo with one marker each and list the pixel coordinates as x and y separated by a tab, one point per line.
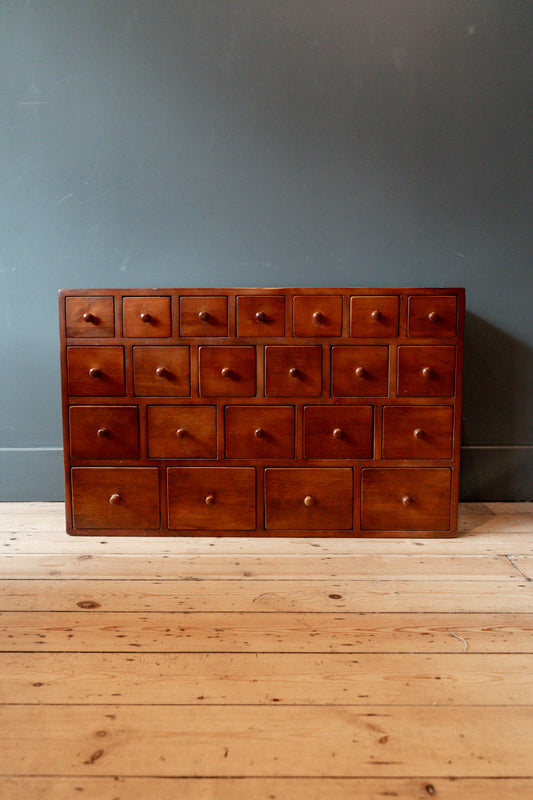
274	412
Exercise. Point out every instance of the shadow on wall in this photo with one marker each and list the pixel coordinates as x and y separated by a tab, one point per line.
497	421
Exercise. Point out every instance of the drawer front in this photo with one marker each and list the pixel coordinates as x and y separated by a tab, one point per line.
308	499
116	497
259	432
407	499
104	431
91	317
227	371
161	371
145	317
360	371
417	432
338	431
182	432
211	498
95	371
426	371
293	371
317	315
432	316
204	316
374	316
261	316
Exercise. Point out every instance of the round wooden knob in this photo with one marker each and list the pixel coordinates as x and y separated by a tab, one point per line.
427	372
88	317
260	316
418	433
359	371
259	433
102	433
309	500
406	500
181	432
146	317
376	315
293	372
433	316
318	316
161	372
114	499
203	316
94	372
337	433
210	499
226	372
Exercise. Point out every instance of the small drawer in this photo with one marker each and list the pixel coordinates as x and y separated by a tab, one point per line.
360	371
317	315
374	316
95	371
90	317
211	498
260	432
419	432
161	371
116	497
293	371
408	499
338	431
182	432
308	499
227	371
204	316
261	316
432	316
144	317
426	371
104	431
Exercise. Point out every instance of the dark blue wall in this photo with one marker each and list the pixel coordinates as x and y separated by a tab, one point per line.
268	142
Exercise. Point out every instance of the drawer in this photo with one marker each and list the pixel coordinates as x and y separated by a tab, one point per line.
204	316
211	498
308	499
417	432
317	315
161	371
338	432
95	371
104	431
432	316
182	432
116	497
374	316
426	371
92	317
260	432
227	371
360	371
144	317
406	499
261	316
293	371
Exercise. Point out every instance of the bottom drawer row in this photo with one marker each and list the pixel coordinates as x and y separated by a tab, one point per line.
224	499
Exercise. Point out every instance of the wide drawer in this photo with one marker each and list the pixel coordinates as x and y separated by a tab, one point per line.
360	371
161	371
146	317
211	498
92	317
95	371
338	431
104	431
405	499
293	371
417	432
115	497
426	371
182	432
260	432
309	499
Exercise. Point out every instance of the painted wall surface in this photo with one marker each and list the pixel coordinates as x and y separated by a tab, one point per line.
268	142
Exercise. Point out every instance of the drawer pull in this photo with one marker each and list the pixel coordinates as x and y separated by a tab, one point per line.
102	433
318	316
427	372
419	433
261	316
94	372
309	500
161	372
115	499
210	499
146	317
407	500
181	432
376	315
226	372
360	372
88	317
337	433
294	372
433	316
203	316
259	433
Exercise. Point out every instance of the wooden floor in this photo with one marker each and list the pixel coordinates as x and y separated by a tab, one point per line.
253	669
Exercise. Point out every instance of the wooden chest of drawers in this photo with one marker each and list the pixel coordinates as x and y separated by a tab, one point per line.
272	412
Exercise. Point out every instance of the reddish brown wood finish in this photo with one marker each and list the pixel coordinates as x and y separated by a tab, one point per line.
276	412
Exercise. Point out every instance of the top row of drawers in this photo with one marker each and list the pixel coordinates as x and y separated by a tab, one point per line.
428	316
